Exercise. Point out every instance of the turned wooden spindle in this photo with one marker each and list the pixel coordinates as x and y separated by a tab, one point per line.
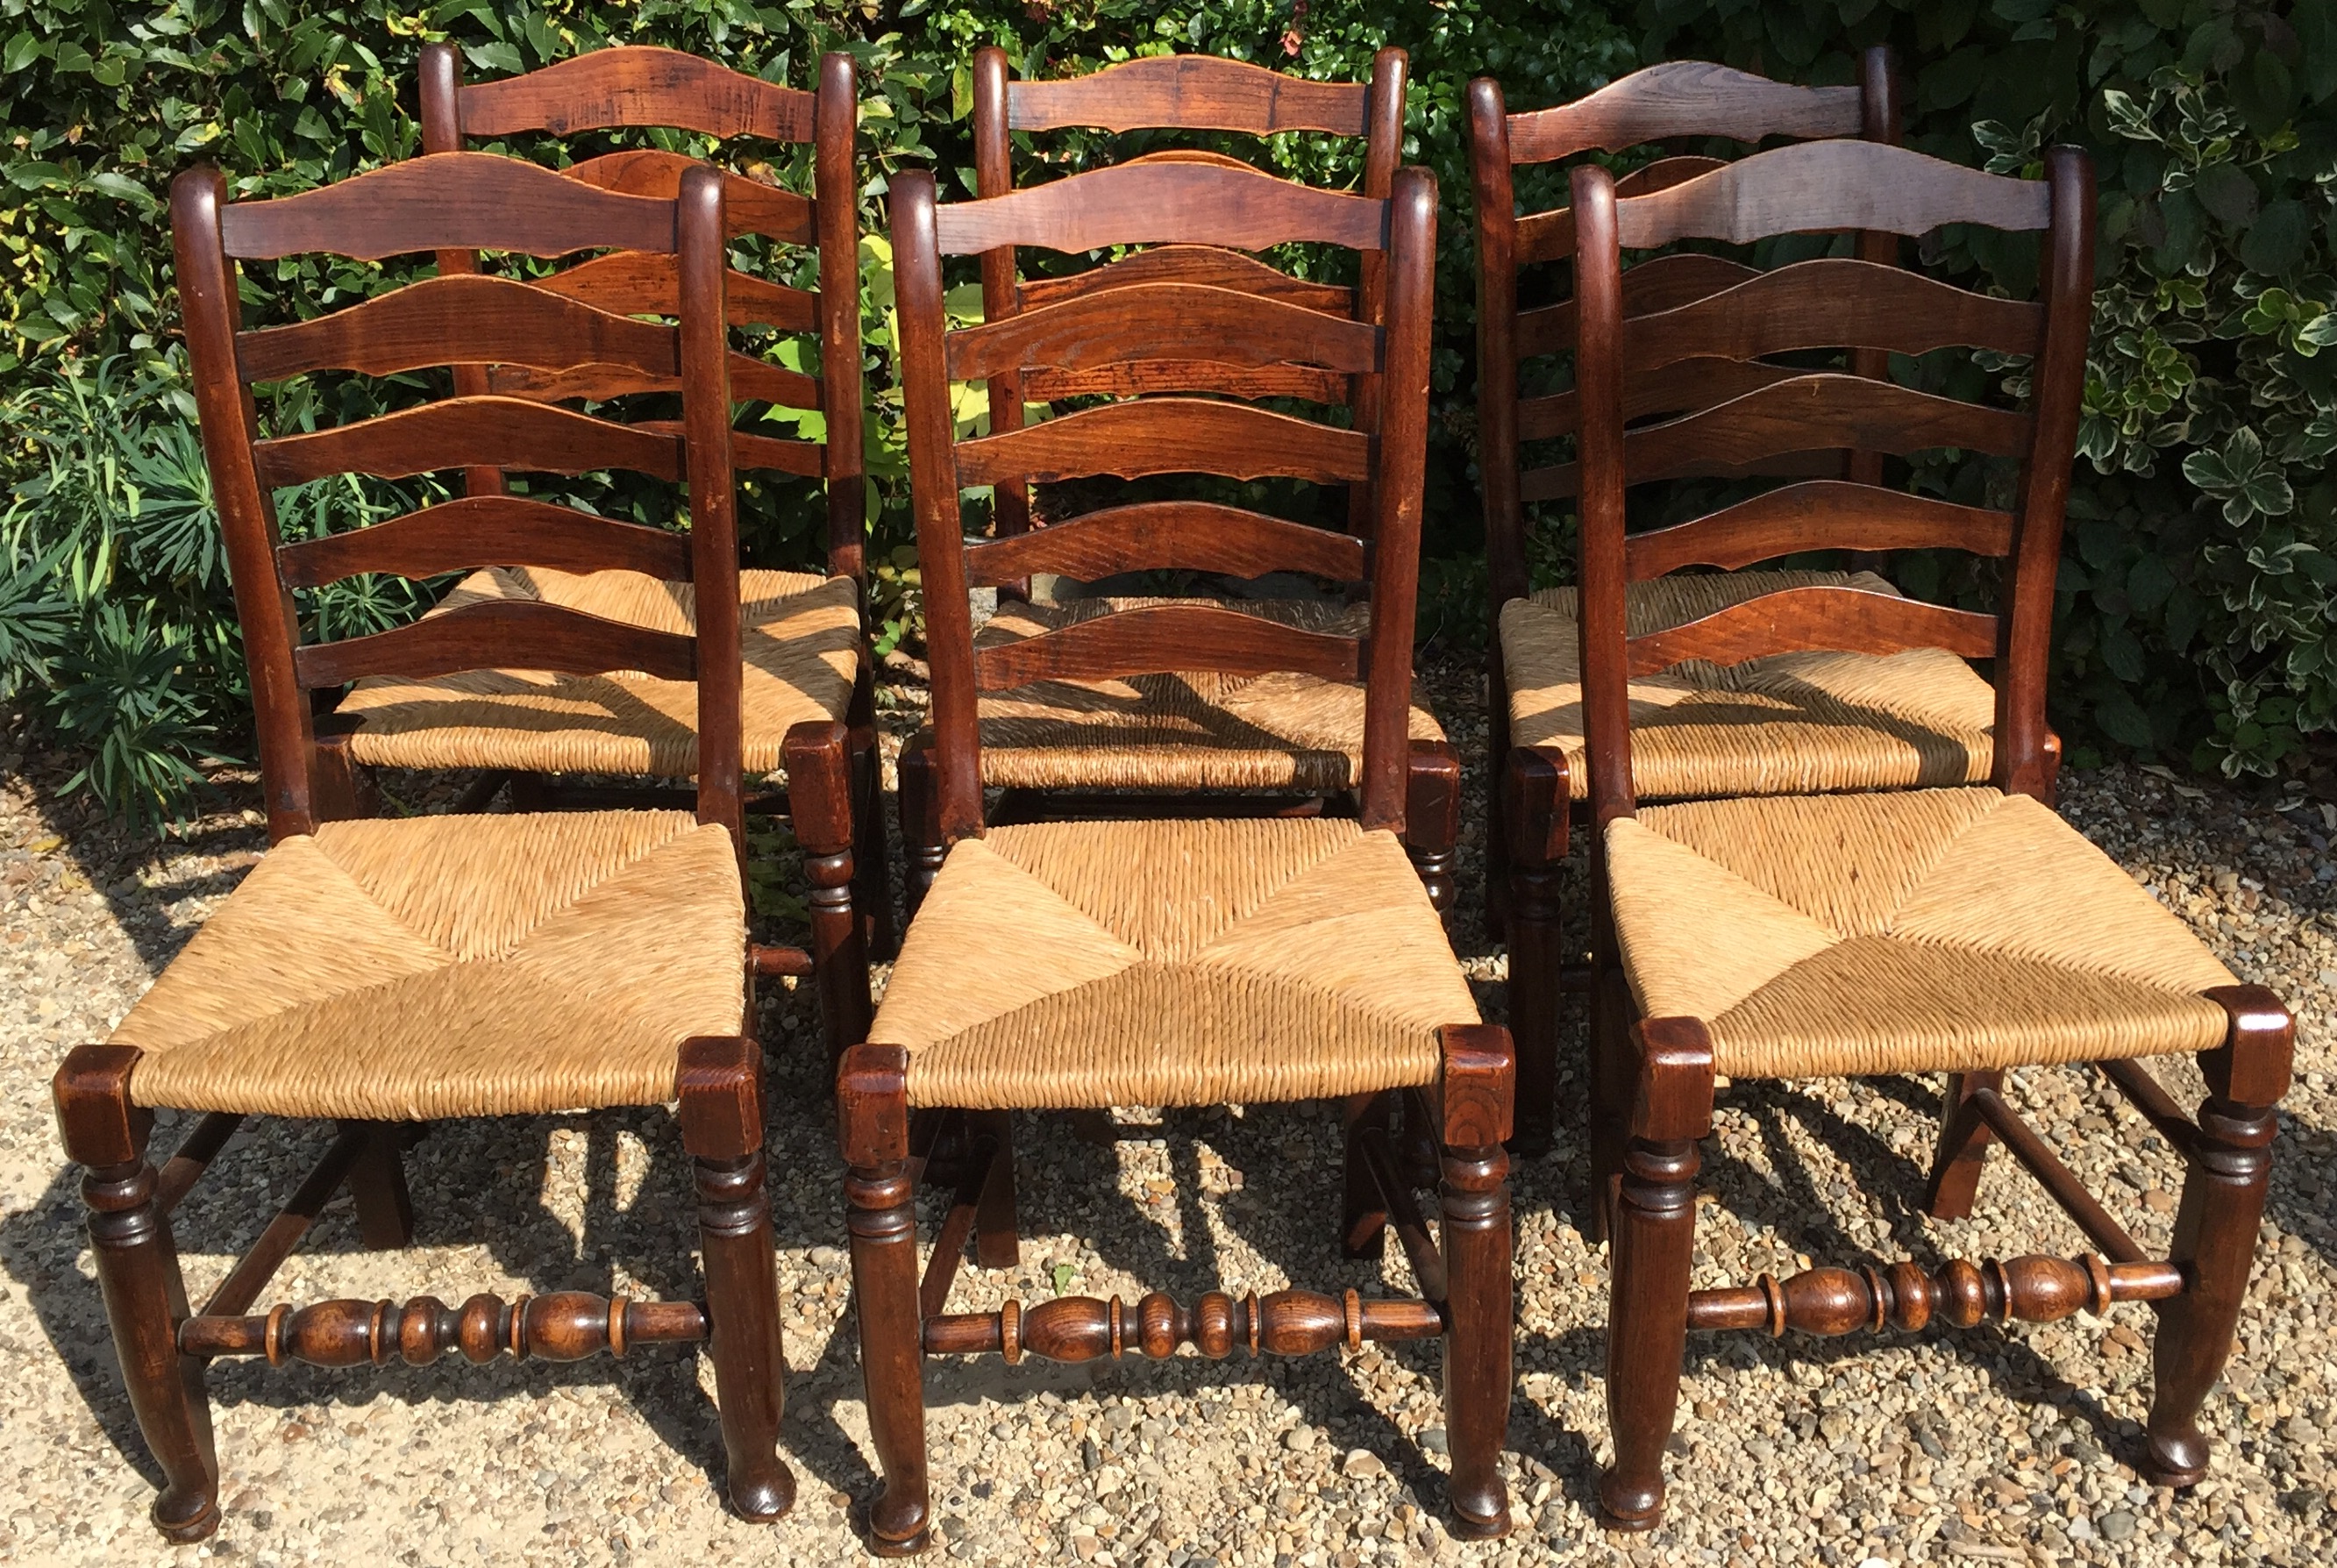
1835	1301
1084	1328
564	1326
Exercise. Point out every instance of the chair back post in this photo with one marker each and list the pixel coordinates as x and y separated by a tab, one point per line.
933	497
702	269
442	131
1878	108
226	420
993	175
835	193
1497	344
1598	379
1382	153
1410	270
2023	761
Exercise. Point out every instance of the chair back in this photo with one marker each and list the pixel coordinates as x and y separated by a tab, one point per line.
1674	101
1167	203
1826	303
640	87
1196	92
469	202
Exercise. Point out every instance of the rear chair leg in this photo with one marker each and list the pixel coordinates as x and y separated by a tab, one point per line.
922	849
1362	1213
138	1274
722	1127
1432	819
1533	806
1478	1090
997	1242
2215	1228
872	890
881	1208
1964	1139
1614	1077
1654	1233
819	798
377	1185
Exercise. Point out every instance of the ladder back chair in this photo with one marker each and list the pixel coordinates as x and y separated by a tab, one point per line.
1196	732
386	973
1963	929
804	652
1073	965
1740	734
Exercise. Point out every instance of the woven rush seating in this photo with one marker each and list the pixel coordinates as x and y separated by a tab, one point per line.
799	636
431	966
1948	929
1084	965
1191	730
1787	724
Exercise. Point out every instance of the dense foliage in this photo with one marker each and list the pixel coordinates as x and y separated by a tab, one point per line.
2201	564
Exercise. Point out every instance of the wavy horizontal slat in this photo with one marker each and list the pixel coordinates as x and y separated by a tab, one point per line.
1192	92
447	202
1209	265
487	531
1826	411
770	454
1820	186
1833	303
486	432
1816	515
1668	389
751	380
1833	619
501	635
1190	155
1159	638
1549	236
1560	481
1168	435
641	283
748	206
1222	326
470	319
1659	283
637	84
1147	378
1167	535
1145	204
1663	173
1682	98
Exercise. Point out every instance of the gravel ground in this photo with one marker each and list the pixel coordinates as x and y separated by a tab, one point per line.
1995	1446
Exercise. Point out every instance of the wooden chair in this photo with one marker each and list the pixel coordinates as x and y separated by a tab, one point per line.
385	973
1079	964
1053	741
1965	928
806	659
1703	736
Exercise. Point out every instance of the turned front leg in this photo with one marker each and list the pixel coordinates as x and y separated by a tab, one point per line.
1477	1103
138	1276
880	1209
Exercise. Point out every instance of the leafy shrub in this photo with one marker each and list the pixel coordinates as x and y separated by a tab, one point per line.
2199	588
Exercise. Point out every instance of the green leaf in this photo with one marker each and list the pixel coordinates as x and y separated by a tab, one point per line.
2276	242
23	50
2225	191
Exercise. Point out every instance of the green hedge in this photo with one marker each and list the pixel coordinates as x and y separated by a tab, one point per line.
2199	576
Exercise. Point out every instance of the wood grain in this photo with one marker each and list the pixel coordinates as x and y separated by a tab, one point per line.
487	531
1191	92
1834	302
1682	98
1162	535
461	432
1835	618
751	380
1659	283
1159	638
637	84
1207	265
1220	325
446	201
1846	516
468	318
1168	435
501	635
1668	389
1158	203
1151	377
641	283
750	206
1549	236
1826	411
1822	186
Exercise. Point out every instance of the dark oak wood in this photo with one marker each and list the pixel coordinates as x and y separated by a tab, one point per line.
1660	283
641	283
192	1157
752	380
1196	92
1135	642
1852	516
1131	440
1153	376
635	84
1813	412
1137	204
487	531
490	320
499	432
525	633
1152	535
1225	326
564	1325
1828	185
1832	303
1854	619
1909	1297
1680	98
750	206
1200	265
258	1266
477	202
819	757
